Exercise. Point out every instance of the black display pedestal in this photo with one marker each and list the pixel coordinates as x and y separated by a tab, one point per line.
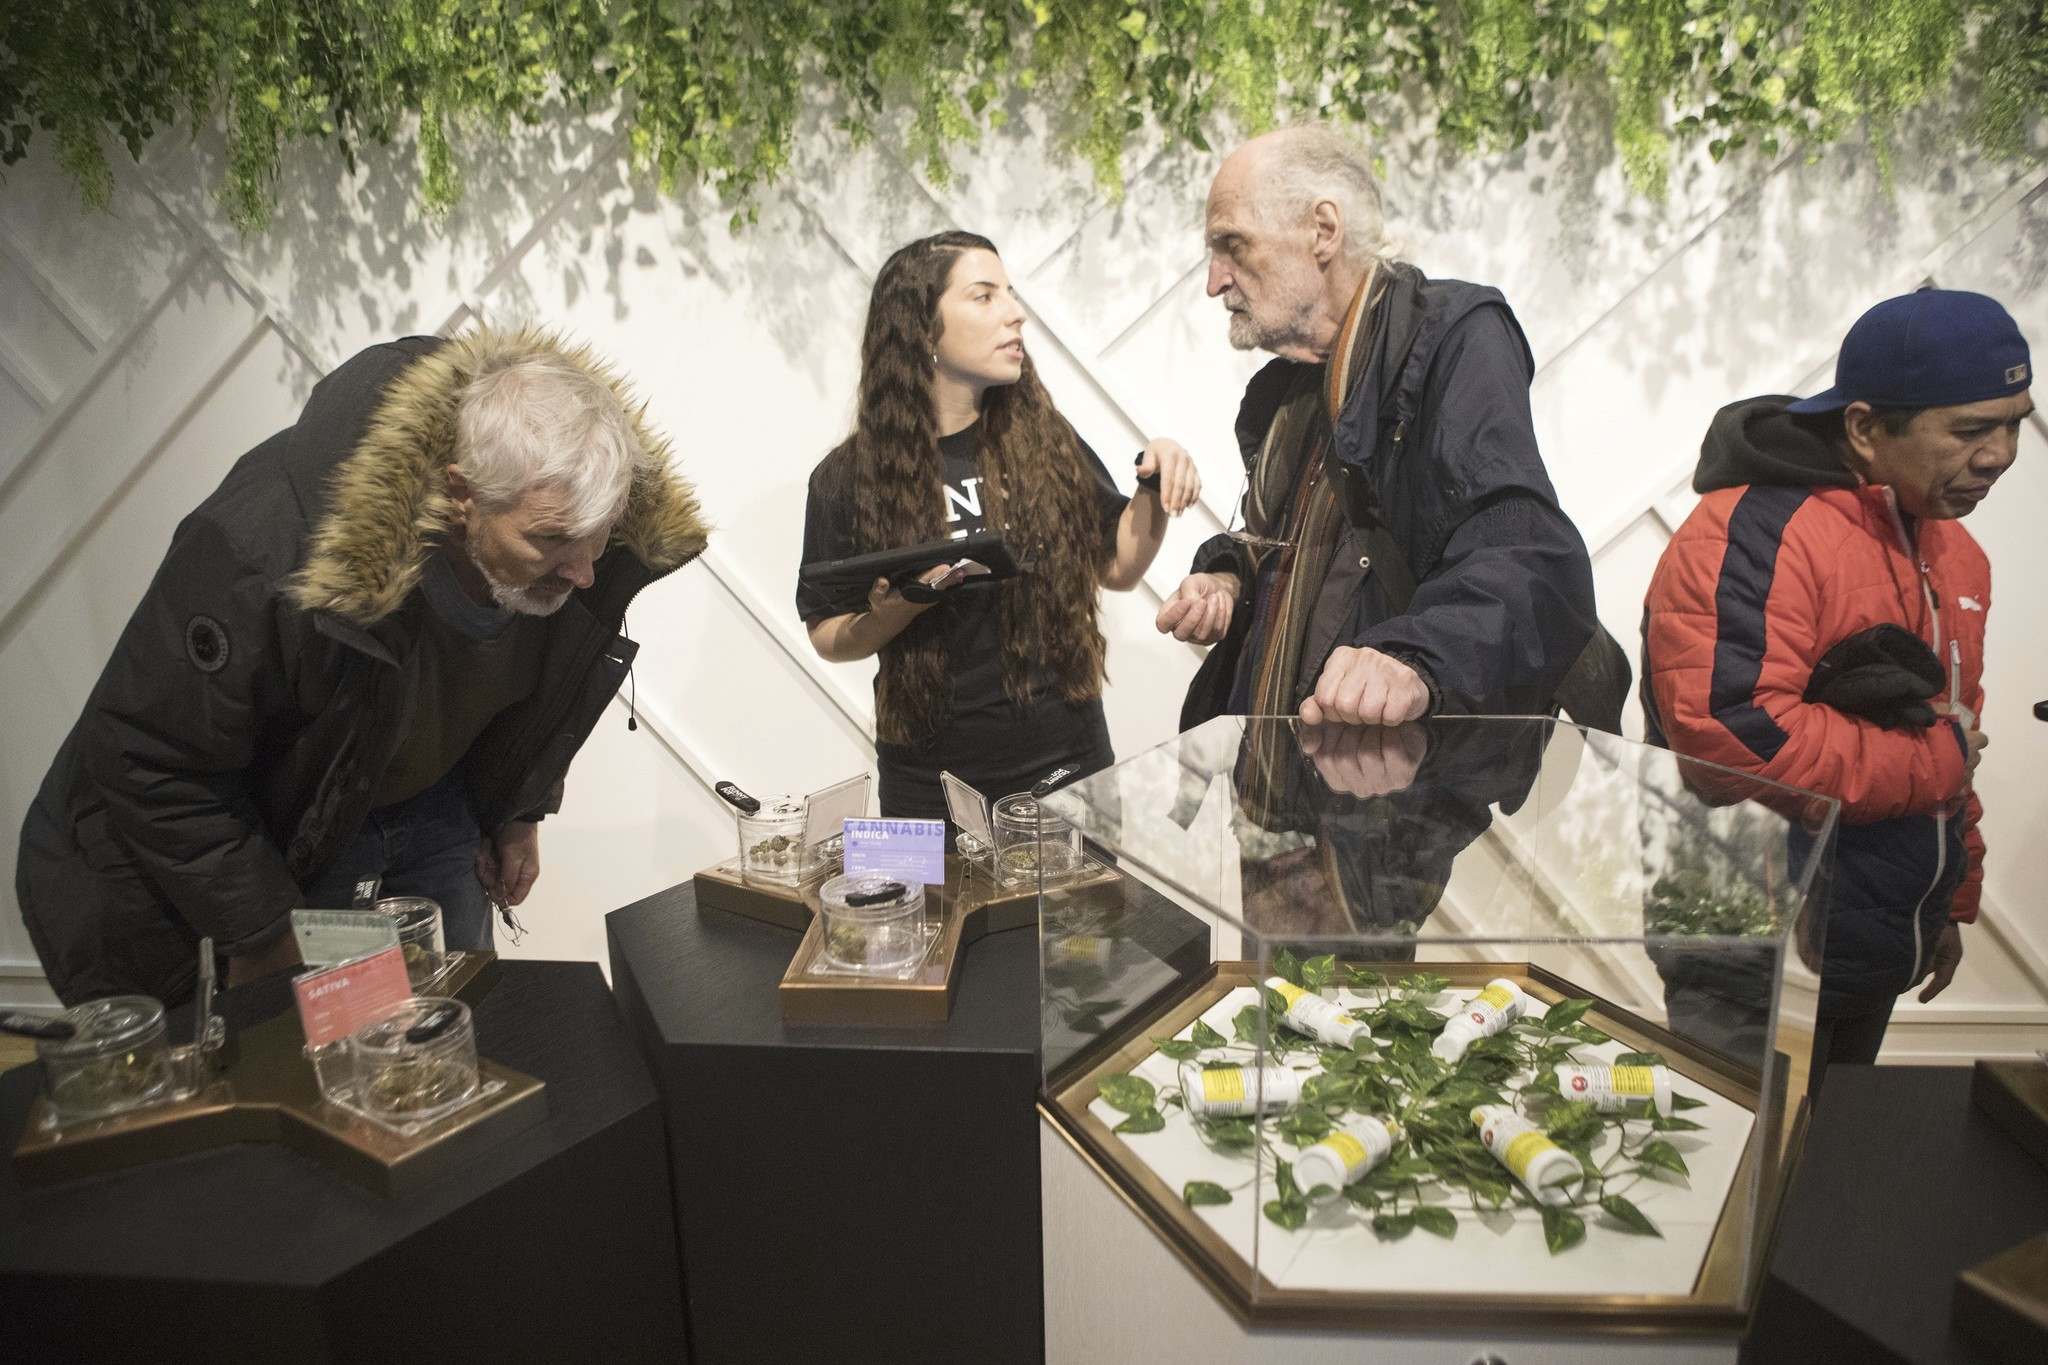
848	1193
554	1244
1902	1185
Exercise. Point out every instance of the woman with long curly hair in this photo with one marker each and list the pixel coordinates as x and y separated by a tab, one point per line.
999	683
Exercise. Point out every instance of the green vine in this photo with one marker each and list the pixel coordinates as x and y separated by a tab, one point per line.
1393	1075
713	92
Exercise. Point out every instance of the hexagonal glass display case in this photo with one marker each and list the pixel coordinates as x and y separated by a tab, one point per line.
1501	1019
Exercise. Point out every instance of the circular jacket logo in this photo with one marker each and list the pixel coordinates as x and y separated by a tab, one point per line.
206	644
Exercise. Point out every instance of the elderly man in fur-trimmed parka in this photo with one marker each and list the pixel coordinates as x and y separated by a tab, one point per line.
1819	621
370	653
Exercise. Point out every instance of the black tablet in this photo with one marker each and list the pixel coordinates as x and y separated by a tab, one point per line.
842	584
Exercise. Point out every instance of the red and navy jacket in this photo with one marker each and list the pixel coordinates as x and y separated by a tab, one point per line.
1785	556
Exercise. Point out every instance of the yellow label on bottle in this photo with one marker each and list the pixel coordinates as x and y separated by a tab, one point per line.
1224	1085
1289	992
1500	995
1522	1149
1639	1081
1348	1149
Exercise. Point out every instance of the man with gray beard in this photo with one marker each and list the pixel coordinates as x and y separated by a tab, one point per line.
1400	551
369	654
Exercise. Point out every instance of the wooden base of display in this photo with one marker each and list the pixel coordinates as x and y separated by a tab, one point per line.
2002	1304
269	1094
968	907
2014	1095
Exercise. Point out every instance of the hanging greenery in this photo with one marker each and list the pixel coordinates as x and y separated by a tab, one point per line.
712	91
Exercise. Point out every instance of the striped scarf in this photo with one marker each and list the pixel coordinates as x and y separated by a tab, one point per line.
1292	500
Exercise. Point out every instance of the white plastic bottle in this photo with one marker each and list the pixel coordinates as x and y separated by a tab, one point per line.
1544	1168
1345	1155
1324	1020
1484	1015
1234	1091
1611	1089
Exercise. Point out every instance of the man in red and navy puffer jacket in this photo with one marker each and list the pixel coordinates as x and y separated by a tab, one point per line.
1823	520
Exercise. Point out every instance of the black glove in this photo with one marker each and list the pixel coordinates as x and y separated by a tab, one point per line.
1886	674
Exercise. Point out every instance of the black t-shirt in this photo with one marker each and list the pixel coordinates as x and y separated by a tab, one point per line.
984	731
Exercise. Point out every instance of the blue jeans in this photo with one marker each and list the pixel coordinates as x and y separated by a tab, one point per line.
422	847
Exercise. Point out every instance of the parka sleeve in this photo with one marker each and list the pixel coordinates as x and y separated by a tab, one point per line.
172	728
1503	610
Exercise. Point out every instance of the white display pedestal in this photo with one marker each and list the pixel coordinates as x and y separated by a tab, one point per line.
1115	1292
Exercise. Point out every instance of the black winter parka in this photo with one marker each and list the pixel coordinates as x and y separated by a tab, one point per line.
266	680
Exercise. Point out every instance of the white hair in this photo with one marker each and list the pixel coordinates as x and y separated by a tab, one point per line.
1311	162
544	421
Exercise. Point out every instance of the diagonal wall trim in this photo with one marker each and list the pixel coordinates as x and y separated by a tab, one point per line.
28	375
51	292
75	537
55	419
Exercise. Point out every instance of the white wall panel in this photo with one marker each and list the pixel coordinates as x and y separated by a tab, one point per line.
143	349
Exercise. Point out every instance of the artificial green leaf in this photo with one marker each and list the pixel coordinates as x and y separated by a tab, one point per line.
1130	1094
1681	1103
1640	1059
1199	1192
1317	971
1486	1190
1287	968
1302	1125
1144	1121
1335	1091
1544	1084
1362	1195
1179	1049
1249	1024
1562	1229
1392	1227
1359	979
1283	1180
1275	1002
1437	1219
1405	1170
1663	1156
1227	1135
1586	1033
1561	1016
1204	1036
1675	1125
1572	1121
1288	1213
1628	1215
1424	983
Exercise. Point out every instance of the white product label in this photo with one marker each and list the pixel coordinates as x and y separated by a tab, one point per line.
1234	1091
1609	1089
1324	1020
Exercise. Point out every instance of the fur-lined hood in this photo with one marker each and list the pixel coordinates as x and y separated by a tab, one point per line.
387	503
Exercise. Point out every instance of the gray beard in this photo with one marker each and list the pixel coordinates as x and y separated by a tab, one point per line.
524	601
1246	333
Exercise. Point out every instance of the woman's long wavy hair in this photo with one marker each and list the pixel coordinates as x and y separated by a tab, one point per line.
1036	487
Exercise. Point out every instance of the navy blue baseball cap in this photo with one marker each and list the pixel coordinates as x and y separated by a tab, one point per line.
1937	348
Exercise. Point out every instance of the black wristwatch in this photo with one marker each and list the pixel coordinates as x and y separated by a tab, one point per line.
1151	480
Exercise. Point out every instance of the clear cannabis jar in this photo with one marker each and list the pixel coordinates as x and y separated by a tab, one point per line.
772	842
117	1059
1032	840
417	1063
420	937
873	923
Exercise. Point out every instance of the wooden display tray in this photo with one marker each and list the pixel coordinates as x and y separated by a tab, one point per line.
1716	1304
2014	1095
269	1094
2001	1304
969	907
